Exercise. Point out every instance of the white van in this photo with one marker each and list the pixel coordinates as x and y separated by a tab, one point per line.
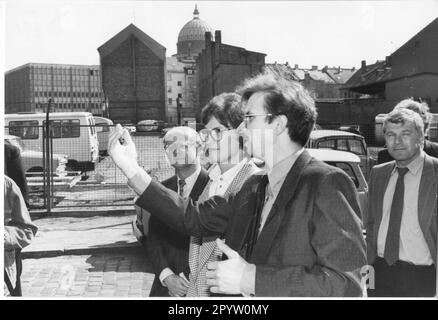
74	134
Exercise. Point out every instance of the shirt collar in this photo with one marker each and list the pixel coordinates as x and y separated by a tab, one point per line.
192	178
415	165
279	172
215	172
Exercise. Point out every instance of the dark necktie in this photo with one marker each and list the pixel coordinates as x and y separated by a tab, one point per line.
181	184
392	244
255	225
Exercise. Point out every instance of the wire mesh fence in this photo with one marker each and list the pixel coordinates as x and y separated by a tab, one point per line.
87	177
80	178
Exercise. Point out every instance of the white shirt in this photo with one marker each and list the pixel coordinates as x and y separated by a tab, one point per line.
187	189
413	246
221	181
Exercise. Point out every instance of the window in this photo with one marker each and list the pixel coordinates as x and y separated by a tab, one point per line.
169	89
65	128
179	84
169	76
169	101
24	129
342	145
356	147
328	144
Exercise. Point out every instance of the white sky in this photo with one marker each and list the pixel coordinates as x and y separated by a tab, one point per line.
307	33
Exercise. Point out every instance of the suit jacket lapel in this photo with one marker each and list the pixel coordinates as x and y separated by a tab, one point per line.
273	221
381	183
200	184
427	195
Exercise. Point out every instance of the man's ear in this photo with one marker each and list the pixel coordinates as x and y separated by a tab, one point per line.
281	124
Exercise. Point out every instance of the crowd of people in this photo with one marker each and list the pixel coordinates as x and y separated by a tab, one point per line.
267	219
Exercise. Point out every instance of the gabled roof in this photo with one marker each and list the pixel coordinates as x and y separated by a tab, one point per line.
377	73
313	74
109	46
340	75
430	27
281	69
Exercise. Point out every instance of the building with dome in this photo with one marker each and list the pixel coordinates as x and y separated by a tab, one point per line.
191	38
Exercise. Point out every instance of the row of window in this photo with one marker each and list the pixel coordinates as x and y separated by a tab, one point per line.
70	106
67	94
60	128
65	71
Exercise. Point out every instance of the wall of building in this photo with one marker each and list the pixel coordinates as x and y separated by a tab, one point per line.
222	67
71	88
423	86
133	79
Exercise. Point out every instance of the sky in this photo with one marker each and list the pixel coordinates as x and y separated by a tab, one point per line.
333	33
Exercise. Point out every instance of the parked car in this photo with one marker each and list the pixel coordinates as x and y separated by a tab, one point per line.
103	129
343	141
346	161
150	125
33	161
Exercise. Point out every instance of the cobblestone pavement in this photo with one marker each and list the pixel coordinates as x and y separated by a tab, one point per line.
99	275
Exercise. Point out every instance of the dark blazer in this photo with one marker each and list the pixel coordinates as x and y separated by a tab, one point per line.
14	169
166	247
430	148
427	210
311	243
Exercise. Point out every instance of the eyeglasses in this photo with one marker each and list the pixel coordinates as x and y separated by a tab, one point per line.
250	116
215	134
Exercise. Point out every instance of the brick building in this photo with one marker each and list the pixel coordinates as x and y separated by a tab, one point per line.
28	88
222	67
134	76
411	71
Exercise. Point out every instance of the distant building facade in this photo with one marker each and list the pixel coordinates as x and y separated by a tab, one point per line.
134	76
28	88
222	67
181	88
411	71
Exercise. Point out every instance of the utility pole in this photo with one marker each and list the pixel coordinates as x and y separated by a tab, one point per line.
178	110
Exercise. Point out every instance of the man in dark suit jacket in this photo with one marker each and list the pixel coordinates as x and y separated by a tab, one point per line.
402	226
429	147
299	235
14	169
167	248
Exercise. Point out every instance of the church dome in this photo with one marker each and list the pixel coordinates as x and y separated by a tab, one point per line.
192	34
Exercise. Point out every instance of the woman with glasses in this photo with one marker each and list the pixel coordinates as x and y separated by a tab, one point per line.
223	148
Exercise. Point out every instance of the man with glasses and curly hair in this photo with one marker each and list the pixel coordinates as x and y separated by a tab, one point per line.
294	231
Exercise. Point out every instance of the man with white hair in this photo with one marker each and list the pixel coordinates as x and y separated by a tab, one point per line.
167	248
402	212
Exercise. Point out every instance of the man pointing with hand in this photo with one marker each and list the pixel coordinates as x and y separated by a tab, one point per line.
295	231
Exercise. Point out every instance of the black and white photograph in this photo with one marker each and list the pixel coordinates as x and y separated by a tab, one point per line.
217	150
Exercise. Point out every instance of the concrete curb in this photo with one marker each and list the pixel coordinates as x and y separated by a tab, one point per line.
128	248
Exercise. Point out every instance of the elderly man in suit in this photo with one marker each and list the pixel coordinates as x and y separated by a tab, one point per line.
295	231
402	223
167	248
429	147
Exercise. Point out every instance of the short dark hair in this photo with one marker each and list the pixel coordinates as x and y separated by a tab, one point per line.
284	97
226	108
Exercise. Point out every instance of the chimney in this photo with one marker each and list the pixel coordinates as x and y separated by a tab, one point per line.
296	66
314	68
286	64
217	36
207	37
325	69
388	61
363	66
